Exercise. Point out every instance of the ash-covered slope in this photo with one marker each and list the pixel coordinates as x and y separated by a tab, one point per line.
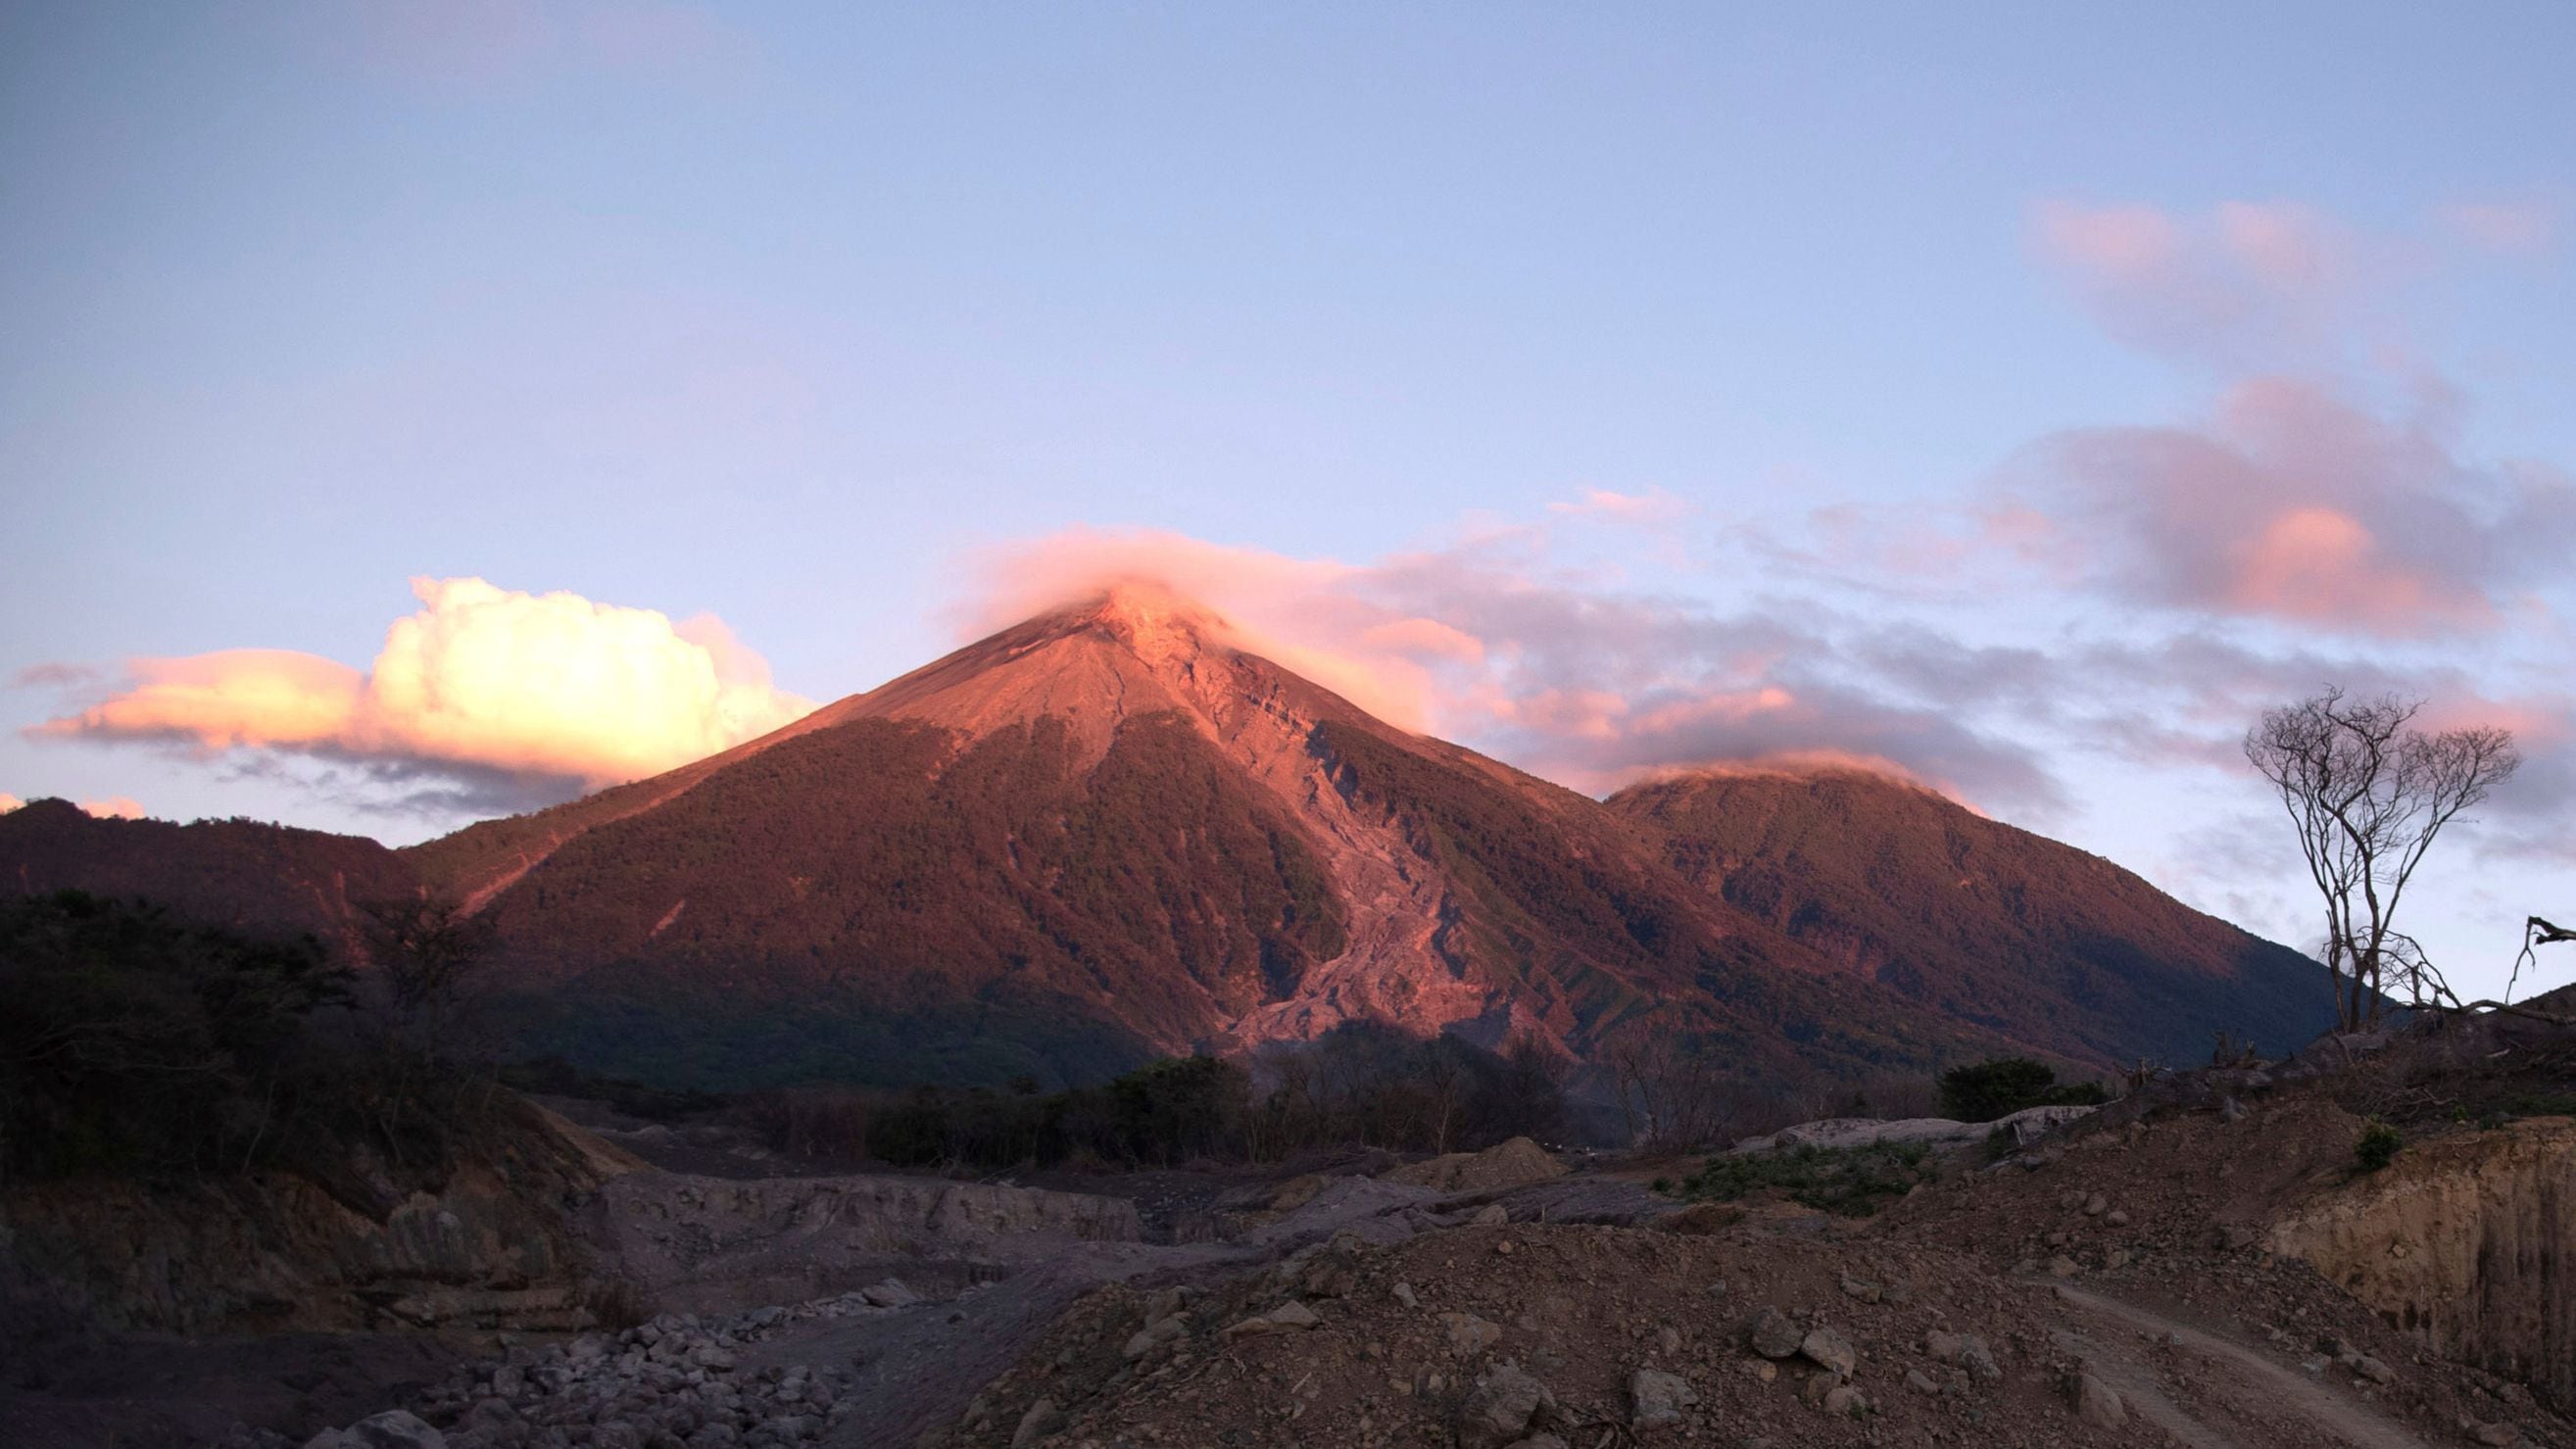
1976	920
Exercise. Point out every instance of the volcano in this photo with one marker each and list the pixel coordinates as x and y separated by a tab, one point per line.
1117	830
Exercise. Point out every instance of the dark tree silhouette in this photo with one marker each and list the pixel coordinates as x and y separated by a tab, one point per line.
425	949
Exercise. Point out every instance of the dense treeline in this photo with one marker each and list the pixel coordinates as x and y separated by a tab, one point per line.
131	1043
1358	1086
134	1044
1984	1091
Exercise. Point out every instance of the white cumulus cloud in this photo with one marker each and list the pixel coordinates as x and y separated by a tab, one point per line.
479	676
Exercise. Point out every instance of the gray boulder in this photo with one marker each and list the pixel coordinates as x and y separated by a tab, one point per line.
1499	1412
1656	1399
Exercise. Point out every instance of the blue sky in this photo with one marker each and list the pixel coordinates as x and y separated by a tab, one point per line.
1995	391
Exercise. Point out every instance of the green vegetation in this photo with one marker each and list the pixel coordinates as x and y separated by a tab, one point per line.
1984	1091
2378	1145
1852	1182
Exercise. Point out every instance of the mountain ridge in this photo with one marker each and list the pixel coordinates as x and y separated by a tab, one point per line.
1789	848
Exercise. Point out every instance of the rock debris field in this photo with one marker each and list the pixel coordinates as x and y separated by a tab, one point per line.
2110	1288
675	1380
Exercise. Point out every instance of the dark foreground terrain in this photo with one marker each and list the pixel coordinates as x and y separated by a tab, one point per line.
2207	1261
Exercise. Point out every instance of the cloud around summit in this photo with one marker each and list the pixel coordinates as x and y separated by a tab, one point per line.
1488	639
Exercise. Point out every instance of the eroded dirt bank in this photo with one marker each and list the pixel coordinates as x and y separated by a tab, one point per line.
490	1244
2467	1241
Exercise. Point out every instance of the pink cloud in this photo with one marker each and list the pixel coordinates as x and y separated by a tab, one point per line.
1425	638
114	807
2321	565
1919	548
2509	228
478	677
2247	278
1654	506
1026	577
9	803
2293	505
1581	714
254	698
2116	242
2291	502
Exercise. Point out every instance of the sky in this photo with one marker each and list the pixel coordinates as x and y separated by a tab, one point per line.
414	411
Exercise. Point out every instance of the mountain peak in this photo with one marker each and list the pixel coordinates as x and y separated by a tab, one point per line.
1142	601
1134	647
1152	619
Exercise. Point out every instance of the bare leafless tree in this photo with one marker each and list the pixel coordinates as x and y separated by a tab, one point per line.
2368	793
1446	1084
2536	932
1678	1093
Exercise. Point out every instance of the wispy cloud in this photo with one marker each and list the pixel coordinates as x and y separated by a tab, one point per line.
2523	228
2245	279
1642	510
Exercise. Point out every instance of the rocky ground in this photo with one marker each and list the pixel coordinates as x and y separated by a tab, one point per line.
2112	1289
1775	1330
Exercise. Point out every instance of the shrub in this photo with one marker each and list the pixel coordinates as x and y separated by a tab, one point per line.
1179	1107
1851	1181
132	1044
1984	1091
2378	1145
